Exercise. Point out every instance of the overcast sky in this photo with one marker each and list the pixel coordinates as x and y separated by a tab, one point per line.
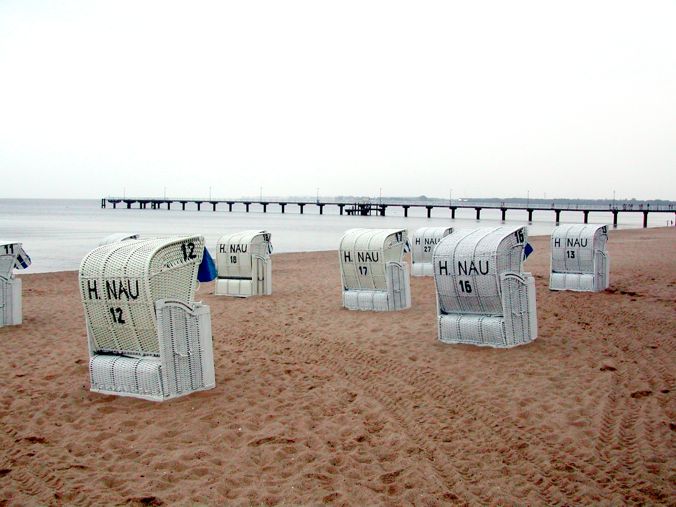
489	98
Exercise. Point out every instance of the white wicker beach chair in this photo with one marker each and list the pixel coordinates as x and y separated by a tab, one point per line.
244	264
483	297
579	258
424	241
372	270
12	256
148	338
117	237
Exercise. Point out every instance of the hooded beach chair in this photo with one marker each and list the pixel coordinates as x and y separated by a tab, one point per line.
423	243
148	338
483	297
373	272
579	258
12	256
117	237
244	264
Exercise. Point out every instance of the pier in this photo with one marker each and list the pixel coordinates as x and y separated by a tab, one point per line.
379	208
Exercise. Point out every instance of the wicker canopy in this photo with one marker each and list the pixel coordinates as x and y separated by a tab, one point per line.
364	254
120	283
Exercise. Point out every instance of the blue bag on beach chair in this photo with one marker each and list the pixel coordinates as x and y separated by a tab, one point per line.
207	270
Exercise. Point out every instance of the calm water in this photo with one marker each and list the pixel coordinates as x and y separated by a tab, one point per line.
58	233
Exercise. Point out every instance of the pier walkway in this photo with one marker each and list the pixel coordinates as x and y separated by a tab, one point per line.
380	207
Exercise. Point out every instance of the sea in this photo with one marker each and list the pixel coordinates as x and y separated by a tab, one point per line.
57	233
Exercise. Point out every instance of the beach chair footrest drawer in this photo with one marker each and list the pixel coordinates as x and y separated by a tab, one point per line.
130	376
233	287
571	281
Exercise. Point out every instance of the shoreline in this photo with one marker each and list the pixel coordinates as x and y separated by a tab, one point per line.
610	232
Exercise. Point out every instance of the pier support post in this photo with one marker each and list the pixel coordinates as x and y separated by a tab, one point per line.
615	213
586	216
265	207
213	205
321	209
301	206
453	208
383	207
405	210
246	205
283	205
478	213
230	206
128	204
530	215
199	205
114	205
183	205
103	203
503	211
558	216
341	206
429	211
645	219
168	205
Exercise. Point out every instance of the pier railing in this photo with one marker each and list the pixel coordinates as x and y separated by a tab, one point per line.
379	207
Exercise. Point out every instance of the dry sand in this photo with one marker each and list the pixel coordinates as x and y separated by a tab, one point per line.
315	404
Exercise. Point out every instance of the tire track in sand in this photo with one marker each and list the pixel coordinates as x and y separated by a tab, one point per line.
445	471
38	482
430	428
617	441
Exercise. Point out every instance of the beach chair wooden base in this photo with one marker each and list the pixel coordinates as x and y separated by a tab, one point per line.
185	364
10	302
516	327
396	297
422	269
580	282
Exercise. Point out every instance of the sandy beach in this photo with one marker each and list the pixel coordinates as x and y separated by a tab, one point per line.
315	404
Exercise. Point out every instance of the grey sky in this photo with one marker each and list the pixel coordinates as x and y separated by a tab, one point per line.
489	98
